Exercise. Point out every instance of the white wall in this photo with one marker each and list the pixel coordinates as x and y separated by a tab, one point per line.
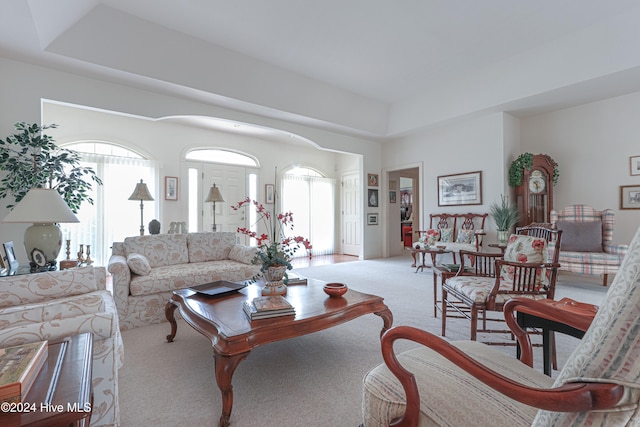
592	144
23	86
472	145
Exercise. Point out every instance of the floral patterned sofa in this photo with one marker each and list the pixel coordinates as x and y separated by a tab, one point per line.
146	269
58	304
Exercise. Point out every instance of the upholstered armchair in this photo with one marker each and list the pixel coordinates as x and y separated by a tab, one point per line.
57	304
587	246
524	270
469	383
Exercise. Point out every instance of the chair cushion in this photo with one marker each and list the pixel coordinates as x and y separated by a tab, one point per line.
476	289
581	236
525	249
139	264
446	234
441	385
464	236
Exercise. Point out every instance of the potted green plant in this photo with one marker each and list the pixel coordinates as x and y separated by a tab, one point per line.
31	159
505	216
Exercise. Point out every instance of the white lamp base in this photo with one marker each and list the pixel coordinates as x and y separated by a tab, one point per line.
46	238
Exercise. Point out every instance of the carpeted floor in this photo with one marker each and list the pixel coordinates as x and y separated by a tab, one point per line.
313	380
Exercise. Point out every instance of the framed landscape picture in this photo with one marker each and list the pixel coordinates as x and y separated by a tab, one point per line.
460	189
372	219
630	197
635	165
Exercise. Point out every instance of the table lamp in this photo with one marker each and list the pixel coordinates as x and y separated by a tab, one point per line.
141	192
44	207
213	197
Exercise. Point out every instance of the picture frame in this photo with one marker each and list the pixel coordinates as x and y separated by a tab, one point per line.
11	258
634	165
372	219
630	197
171	188
372	179
269	194
392	197
372	198
460	189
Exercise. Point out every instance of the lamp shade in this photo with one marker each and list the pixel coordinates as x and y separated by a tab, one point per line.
141	192
214	195
43	206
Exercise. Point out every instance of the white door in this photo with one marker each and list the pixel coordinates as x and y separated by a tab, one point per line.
351	216
232	183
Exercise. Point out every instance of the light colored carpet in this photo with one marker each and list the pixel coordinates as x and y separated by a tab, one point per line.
315	380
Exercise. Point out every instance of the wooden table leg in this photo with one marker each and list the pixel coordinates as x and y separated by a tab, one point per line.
169	310
387	318
225	367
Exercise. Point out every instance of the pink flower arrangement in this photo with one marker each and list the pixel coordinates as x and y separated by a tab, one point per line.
274	247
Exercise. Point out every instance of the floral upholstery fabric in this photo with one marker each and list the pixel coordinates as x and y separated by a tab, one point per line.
442	386
465	236
141	299
210	246
524	249
139	264
243	254
49	309
169	249
446	234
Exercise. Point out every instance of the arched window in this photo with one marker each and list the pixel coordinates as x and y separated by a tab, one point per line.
311	198
219	155
112	217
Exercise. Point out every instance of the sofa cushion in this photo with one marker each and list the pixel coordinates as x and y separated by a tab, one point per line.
139	264
168	278
159	249
446	234
464	236
32	288
208	246
581	236
242	253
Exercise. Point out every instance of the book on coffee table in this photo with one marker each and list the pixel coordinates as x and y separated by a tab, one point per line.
268	306
295	279
19	367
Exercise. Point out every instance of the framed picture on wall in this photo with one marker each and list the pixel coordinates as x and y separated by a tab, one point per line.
630	197
460	189
171	188
269	193
372	179
635	165
392	197
372	198
372	219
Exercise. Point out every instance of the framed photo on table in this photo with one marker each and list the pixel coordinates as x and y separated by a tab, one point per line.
11	258
630	197
171	188
460	189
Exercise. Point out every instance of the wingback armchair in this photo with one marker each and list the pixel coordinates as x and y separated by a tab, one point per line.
470	383
587	243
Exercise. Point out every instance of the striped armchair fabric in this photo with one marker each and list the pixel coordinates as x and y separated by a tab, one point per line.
592	263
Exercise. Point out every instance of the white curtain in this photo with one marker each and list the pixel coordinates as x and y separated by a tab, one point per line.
112	217
311	199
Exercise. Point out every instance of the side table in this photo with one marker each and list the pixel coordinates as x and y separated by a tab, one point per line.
424	252
61	393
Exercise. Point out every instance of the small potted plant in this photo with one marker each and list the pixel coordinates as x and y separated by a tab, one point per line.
505	216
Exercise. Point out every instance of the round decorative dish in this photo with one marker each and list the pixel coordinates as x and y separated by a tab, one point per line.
335	290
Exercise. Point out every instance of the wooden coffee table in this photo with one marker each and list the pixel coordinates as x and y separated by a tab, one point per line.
233	335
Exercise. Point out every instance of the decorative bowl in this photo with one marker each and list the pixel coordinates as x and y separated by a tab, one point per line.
335	290
441	247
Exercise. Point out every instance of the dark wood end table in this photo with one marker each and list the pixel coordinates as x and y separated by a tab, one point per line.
62	393
233	335
431	251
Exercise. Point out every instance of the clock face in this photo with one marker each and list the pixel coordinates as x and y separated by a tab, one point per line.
537	182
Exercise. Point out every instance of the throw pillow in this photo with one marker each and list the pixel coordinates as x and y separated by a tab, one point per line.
138	264
581	236
446	234
464	236
242	253
524	249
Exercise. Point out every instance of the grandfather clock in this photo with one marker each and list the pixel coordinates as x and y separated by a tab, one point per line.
534	195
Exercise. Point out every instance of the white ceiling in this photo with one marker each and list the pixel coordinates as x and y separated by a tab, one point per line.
376	68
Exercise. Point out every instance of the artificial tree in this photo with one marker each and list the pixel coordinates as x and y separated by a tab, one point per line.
31	159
